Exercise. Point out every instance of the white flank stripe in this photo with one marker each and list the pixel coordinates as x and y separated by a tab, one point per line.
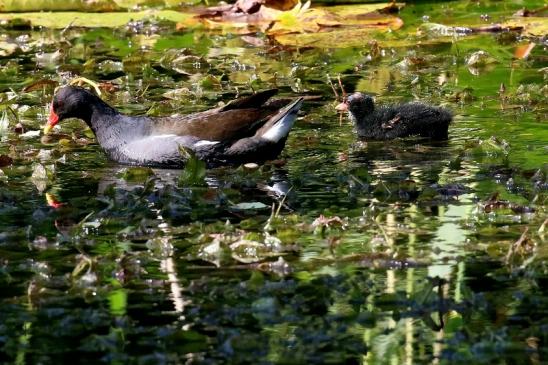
204	143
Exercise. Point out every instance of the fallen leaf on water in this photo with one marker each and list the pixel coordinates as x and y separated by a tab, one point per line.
532	26
19	128
338	38
479	58
30	134
527	12
7	48
305	19
494	203
281	4
5	160
254	41
323	221
44	155
40	84
532	342
247	251
524	50
336	26
108	87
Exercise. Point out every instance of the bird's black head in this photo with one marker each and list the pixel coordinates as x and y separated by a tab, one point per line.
360	105
71	102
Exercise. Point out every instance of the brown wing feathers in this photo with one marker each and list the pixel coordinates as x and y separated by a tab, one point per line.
241	116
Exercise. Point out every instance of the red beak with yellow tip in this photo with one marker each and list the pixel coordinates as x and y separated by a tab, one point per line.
53	119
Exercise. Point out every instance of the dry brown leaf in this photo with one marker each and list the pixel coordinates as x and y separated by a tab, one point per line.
281	4
524	50
249	6
338	37
40	84
5	160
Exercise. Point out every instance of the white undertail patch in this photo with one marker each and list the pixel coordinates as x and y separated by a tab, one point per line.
282	127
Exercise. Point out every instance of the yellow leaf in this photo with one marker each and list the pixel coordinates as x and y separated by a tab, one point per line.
320	19
304	19
535	26
337	38
60	20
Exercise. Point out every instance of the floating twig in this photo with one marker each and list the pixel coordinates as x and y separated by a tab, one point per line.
516	245
79	81
342	87
333	88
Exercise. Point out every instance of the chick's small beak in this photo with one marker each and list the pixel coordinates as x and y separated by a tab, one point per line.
53	119
342	107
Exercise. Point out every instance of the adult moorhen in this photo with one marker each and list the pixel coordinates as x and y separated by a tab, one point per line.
249	129
394	121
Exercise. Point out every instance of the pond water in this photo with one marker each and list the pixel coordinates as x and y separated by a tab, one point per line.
342	251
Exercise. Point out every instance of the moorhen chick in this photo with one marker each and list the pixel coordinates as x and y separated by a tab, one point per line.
249	129
395	121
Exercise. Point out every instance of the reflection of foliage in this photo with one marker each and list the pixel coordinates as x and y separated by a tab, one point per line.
509	326
290	318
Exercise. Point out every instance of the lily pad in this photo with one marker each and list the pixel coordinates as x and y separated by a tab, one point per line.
61	20
7	48
80	5
136	173
34	5
339	38
333	27
247	251
534	26
322	18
